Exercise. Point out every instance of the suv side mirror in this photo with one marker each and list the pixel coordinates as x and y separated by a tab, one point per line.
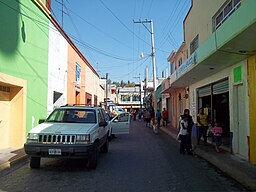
41	121
103	124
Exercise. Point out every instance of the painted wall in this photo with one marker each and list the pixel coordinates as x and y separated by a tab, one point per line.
24	55
252	106
239	110
92	84
72	88
177	105
199	20
57	71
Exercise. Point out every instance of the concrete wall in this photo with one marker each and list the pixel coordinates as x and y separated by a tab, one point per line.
57	71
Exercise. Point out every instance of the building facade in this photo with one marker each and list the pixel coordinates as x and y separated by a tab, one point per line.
40	68
219	70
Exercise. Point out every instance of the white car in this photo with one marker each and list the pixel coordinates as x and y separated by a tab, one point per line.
70	132
119	124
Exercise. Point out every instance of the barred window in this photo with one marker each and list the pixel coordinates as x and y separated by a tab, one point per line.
194	45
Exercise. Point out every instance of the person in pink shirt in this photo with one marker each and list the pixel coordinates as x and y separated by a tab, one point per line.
217	131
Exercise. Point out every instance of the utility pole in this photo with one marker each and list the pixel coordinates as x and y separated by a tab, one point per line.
151	31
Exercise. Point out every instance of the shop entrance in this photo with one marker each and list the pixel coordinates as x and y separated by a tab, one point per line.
214	98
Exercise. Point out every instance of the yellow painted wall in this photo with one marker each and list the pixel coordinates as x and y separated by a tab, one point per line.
252	106
199	20
17	116
4	124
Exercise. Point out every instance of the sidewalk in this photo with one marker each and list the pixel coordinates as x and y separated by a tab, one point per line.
10	157
237	168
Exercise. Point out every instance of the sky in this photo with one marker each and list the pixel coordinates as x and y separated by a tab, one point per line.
105	33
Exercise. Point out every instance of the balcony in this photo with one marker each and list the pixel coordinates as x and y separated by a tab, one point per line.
232	42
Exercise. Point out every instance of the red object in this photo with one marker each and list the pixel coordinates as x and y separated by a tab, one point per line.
165	114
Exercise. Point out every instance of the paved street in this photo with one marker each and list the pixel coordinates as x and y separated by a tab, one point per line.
141	161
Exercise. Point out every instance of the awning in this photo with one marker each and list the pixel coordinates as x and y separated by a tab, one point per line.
168	90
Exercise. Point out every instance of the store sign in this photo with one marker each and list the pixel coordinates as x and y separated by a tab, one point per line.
189	62
78	75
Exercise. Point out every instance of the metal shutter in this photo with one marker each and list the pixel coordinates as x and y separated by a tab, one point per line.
220	87
204	91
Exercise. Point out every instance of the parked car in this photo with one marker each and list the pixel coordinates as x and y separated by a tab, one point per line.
70	132
119	124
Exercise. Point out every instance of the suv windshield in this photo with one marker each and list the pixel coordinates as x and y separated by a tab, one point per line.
64	115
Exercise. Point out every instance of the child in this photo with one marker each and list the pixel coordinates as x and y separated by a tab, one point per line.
217	131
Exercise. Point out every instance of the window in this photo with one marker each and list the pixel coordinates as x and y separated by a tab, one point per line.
172	67
180	61
194	45
224	12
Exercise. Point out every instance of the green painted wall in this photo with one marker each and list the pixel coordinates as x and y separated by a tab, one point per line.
24	52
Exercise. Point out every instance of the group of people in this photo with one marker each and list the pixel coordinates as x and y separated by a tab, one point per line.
150	116
185	128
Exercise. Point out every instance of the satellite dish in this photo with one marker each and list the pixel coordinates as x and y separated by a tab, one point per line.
142	55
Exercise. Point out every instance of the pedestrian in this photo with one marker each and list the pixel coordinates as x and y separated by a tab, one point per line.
139	114
165	116
147	118
202	123
186	124
217	132
158	117
182	135
134	114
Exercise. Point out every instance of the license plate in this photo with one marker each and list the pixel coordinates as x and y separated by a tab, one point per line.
54	151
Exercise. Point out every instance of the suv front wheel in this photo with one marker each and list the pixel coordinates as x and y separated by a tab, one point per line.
35	162
93	158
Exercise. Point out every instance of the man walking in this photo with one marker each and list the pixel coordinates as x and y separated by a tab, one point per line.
202	123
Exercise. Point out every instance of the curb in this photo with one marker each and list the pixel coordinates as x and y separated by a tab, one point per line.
4	166
17	159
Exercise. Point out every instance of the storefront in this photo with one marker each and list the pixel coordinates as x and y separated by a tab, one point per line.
214	98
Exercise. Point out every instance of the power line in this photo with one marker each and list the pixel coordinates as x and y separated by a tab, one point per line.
126	26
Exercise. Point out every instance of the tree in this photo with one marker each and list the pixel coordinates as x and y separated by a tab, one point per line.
117	84
132	84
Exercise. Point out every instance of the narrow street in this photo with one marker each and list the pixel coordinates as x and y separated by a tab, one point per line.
141	161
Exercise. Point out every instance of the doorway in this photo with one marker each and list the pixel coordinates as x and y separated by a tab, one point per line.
240	133
12	119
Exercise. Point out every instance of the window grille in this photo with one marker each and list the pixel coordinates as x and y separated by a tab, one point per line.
224	12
